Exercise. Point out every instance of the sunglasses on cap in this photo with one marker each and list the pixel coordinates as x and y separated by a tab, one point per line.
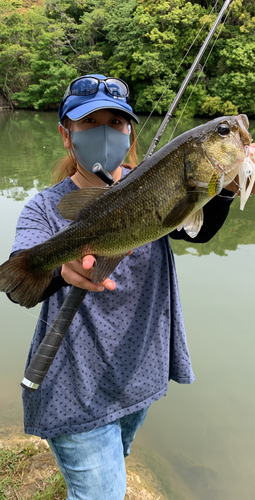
89	85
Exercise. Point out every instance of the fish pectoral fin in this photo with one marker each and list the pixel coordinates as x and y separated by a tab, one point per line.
181	211
72	203
105	266
193	224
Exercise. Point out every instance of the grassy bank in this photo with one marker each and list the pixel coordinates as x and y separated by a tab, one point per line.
28	471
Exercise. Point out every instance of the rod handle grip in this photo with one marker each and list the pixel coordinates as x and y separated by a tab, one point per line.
43	357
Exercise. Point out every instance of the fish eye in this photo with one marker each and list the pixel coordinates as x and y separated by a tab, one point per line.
223	129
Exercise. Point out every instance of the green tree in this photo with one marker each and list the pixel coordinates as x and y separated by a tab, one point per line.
32	70
46	45
231	80
148	50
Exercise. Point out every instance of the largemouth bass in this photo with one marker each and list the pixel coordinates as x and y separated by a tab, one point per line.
166	191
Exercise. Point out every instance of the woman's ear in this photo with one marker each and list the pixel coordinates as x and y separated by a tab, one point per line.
64	132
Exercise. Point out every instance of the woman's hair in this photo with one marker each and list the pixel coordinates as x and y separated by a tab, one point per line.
66	166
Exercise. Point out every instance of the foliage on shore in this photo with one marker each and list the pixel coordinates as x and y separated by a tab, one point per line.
46	44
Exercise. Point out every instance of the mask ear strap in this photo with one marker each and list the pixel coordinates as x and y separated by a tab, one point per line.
129	129
66	130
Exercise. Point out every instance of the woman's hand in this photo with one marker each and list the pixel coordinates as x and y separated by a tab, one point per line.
79	273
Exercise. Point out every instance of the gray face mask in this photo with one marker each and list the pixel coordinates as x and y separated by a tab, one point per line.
103	145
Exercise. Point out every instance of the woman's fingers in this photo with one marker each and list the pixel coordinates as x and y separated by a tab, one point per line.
74	274
72	277
79	273
88	263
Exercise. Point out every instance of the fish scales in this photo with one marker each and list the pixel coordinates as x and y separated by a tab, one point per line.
163	192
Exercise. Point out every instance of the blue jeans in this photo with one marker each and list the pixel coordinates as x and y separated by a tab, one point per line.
92	463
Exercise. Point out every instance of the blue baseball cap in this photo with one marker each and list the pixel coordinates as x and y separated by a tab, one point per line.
77	107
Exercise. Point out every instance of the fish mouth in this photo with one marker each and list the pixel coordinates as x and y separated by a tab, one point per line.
243	124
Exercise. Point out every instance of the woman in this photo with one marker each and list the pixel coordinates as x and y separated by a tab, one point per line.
124	344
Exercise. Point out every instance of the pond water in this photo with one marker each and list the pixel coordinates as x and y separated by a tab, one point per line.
199	439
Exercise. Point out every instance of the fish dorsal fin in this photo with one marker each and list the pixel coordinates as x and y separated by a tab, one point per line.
72	203
105	266
181	211
193	224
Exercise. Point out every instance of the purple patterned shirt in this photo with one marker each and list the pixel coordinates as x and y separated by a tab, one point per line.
122	347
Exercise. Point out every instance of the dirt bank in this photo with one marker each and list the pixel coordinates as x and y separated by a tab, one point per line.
28	471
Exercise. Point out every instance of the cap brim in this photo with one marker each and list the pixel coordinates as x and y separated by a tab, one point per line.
85	109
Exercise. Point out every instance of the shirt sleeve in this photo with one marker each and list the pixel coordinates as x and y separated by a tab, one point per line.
215	214
34	226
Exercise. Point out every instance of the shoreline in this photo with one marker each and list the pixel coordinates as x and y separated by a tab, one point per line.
28	471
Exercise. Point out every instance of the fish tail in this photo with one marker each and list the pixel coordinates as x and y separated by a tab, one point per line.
24	283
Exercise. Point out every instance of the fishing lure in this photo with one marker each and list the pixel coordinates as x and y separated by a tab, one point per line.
246	178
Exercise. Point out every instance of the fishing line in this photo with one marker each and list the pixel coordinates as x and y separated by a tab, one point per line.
201	71
226	173
50	326
36	317
173	76
221	196
43	320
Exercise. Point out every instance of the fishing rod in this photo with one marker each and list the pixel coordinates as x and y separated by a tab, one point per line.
49	346
186	82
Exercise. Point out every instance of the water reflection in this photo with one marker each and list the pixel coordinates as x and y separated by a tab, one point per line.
200	438
30	145
239	229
